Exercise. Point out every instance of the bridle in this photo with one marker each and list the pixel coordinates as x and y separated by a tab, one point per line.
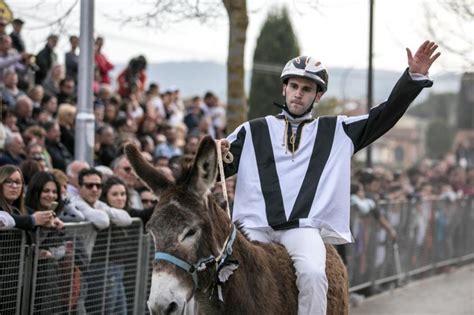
201	264
226	250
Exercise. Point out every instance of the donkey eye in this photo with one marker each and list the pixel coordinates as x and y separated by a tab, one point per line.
190	233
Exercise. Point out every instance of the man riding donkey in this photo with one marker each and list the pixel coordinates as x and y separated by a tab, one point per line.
293	171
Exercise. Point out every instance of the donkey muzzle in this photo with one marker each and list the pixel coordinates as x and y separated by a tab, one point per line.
168	295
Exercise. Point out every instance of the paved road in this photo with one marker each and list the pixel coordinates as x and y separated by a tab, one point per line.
447	294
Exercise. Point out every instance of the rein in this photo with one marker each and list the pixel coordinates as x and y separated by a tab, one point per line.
228	159
222	259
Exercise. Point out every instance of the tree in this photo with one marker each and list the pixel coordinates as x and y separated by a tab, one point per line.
276	44
236	101
439	139
447	23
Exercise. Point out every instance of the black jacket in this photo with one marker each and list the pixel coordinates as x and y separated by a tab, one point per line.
60	156
45	60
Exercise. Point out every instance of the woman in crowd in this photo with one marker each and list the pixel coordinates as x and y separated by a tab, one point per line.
44	194
115	193
42	191
12	187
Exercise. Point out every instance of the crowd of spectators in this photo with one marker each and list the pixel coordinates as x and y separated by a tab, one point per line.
41	185
39	106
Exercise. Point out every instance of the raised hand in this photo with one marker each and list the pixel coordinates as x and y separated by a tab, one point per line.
423	58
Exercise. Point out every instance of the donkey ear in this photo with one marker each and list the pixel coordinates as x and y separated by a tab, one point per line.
204	171
151	176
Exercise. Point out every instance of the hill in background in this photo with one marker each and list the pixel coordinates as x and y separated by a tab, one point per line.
195	78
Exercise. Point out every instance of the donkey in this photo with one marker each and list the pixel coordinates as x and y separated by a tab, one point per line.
195	241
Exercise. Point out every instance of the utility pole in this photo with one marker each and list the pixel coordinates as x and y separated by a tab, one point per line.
85	131
368	162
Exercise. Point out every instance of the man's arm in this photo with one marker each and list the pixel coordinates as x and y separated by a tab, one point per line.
98	218
365	129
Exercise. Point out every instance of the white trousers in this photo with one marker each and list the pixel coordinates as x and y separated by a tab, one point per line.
307	250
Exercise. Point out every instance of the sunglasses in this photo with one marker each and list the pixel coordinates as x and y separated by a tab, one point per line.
127	169
92	185
148	200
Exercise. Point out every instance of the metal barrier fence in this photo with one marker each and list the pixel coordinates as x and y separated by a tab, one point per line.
431	235
12	265
82	271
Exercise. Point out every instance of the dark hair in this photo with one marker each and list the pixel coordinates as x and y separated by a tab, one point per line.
46	98
29	168
86	172
35	188
209	94
63	81
355	187
49	125
152	86
102	128
119	122
112	181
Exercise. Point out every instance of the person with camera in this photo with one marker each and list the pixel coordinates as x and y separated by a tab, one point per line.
12	59
133	78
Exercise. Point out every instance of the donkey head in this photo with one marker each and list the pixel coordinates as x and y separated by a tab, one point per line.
186	225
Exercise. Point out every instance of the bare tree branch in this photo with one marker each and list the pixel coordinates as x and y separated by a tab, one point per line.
452	38
60	22
164	12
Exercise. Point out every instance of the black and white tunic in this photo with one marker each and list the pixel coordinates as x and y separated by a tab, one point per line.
310	187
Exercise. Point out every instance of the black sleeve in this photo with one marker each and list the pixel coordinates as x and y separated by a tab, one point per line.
24	222
384	116
144	214
236	150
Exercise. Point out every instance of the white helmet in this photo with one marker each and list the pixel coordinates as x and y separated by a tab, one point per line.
306	67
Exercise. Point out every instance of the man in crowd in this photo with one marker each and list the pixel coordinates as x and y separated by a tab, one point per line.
94	210
11	59
17	40
14	149
72	58
60	155
24	112
67	91
72	172
46	58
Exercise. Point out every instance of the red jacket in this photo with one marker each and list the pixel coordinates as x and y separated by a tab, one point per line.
104	67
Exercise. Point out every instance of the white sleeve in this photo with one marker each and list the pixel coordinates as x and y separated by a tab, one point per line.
363	205
118	217
99	218
6	221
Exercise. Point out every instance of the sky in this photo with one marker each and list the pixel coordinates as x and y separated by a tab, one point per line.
333	31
